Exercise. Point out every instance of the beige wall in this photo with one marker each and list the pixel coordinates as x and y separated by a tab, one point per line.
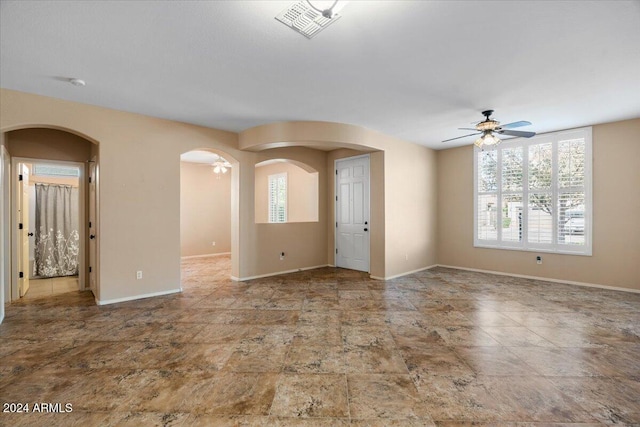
410	209
304	243
410	188
616	234
139	192
139	214
205	210
421	200
50	144
302	192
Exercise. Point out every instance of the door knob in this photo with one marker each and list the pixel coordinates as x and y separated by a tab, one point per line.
91	236
366	229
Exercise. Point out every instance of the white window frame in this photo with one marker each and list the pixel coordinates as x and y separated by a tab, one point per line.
524	245
276	177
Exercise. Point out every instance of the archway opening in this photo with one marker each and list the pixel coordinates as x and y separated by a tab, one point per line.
207	221
54	248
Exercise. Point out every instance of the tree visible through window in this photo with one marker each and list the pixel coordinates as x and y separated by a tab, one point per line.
278	197
535	194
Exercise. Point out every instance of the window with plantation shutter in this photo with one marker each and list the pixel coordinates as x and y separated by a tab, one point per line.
535	194
278	197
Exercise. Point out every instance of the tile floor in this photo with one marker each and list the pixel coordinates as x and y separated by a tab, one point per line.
329	347
39	288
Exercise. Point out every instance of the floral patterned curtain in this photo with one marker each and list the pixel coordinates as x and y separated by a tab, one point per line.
57	241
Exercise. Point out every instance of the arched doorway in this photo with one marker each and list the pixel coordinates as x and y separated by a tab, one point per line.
56	154
208	213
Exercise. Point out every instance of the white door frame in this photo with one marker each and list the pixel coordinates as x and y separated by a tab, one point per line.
23	258
5	233
335	207
96	229
15	162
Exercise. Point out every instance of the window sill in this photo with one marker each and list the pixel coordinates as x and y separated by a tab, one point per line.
534	250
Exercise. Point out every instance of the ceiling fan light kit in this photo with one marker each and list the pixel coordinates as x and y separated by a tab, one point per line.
487	139
489	127
221	166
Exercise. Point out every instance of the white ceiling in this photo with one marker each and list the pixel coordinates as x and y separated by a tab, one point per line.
199	156
417	70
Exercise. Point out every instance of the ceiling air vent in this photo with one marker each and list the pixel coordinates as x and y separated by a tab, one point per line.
305	20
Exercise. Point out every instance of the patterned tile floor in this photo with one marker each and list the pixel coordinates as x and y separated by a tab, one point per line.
328	347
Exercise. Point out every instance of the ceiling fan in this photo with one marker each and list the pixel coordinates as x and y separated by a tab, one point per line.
220	166
488	127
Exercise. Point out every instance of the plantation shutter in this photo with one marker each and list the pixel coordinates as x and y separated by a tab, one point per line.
535	194
278	197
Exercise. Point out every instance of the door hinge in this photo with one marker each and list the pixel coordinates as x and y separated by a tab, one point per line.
21	275
336	171
89	180
89	224
336	224
336	251
336	198
89	269
20	226
20	177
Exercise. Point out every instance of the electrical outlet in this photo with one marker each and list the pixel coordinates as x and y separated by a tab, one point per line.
139	274
213	244
539	259
281	256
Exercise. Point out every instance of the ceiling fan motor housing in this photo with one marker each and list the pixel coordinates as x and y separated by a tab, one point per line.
487	125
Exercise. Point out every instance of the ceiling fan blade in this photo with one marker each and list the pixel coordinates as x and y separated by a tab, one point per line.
468	129
516	133
463	136
515	124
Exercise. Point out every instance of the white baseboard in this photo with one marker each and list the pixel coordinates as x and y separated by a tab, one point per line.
545	279
260	276
135	297
205	255
403	274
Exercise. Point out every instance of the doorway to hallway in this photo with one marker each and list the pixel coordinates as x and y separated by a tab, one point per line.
49	207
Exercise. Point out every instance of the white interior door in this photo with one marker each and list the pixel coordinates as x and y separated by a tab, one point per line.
23	229
92	227
352	213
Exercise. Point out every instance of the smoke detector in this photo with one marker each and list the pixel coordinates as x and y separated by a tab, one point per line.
77	82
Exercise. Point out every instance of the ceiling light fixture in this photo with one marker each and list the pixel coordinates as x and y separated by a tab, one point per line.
220	166
488	138
309	18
